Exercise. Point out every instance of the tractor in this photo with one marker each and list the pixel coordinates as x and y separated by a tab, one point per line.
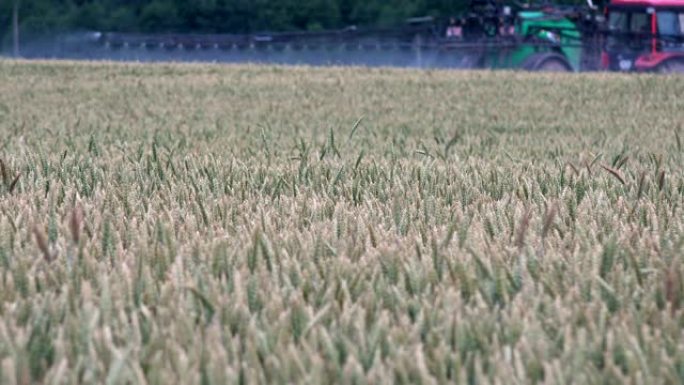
541	38
644	36
623	35
629	35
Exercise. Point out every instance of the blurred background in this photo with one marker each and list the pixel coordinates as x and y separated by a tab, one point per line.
34	19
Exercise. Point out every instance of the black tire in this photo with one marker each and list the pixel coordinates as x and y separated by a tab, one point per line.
672	66
547	62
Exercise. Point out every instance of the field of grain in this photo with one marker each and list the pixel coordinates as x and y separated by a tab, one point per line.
236	224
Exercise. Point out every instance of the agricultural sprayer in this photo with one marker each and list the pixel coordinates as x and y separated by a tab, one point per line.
622	35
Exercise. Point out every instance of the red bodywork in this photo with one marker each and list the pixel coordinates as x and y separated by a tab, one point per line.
653	59
650	3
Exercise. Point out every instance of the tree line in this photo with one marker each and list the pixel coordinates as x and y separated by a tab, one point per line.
40	17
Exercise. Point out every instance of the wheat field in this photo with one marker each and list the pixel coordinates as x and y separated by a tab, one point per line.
205	224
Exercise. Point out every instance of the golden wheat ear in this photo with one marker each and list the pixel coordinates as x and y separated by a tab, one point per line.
42	243
75	224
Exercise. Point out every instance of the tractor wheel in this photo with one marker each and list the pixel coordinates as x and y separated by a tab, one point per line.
547	62
672	66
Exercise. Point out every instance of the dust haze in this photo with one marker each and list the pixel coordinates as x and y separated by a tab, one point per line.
87	46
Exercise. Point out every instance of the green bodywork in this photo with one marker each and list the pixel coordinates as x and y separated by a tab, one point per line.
543	26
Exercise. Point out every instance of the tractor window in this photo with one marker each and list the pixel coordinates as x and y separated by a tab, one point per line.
617	21
671	30
629	22
671	23
628	30
640	23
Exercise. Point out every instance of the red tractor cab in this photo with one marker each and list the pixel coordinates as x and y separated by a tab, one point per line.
644	35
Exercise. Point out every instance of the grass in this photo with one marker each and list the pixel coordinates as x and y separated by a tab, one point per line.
237	224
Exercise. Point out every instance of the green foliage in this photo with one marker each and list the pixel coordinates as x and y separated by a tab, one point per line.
211	16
